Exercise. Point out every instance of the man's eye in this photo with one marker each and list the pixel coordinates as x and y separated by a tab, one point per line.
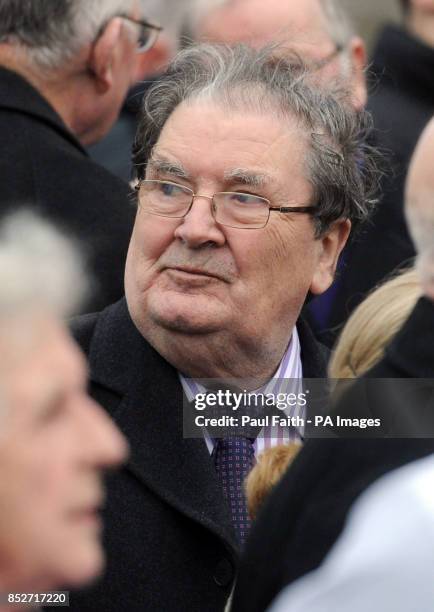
247	199
170	190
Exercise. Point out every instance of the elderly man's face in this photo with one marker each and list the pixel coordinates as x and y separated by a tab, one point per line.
195	276
54	440
297	25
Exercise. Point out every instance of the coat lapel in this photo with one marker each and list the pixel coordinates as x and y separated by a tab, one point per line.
148	410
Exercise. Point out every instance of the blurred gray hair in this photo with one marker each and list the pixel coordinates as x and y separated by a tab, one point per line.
338	21
39	268
340	164
53	31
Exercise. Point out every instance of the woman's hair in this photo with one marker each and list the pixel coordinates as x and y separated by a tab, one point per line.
272	464
373	325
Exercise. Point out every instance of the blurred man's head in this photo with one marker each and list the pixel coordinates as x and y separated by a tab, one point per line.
316	29
420	205
81	54
172	15
54	440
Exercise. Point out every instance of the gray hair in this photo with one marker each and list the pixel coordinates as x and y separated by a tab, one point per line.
39	268
340	165
53	31
338	21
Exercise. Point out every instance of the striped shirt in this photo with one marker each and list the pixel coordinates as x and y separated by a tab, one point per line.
287	379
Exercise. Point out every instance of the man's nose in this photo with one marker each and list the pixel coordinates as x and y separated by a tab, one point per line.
199	226
107	446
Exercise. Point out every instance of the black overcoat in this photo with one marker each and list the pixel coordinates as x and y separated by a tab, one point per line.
169	539
45	168
307	511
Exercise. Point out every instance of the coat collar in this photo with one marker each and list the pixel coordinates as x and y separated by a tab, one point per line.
149	413
18	95
314	356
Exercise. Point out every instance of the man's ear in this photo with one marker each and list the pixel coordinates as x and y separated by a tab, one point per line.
357	51
103	54
330	246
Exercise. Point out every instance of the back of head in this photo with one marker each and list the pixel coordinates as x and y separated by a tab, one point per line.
51	32
271	465
373	325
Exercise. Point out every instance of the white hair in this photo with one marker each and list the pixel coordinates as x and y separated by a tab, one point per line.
39	268
53	31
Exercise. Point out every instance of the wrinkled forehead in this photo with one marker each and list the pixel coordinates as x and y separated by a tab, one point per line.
207	136
300	22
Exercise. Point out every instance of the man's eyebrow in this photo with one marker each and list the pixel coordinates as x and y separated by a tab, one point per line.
165	166
247	177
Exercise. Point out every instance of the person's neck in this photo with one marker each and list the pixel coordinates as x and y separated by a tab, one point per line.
421	25
218	356
60	90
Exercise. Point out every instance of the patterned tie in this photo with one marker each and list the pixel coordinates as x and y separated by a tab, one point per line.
234	457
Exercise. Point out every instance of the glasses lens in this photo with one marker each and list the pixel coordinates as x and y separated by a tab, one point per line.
164	198
242	210
147	38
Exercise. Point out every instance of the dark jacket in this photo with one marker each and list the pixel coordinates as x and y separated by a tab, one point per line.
306	513
169	539
402	103
44	167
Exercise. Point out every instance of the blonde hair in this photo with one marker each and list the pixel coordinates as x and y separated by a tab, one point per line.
272	464
373	325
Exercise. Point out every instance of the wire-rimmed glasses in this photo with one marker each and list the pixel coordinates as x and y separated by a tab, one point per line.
148	33
230	208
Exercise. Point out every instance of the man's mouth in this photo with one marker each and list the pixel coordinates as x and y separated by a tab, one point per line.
192	272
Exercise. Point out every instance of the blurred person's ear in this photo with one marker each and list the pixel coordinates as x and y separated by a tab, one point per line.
102	55
358	55
330	246
154	61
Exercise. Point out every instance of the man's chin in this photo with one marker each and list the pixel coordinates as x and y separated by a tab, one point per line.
185	324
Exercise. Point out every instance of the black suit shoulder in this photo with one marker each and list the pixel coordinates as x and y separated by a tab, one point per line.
44	167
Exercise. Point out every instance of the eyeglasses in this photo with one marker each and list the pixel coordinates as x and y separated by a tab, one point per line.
148	33
317	65
229	208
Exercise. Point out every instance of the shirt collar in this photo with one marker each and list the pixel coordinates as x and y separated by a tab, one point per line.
289	367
